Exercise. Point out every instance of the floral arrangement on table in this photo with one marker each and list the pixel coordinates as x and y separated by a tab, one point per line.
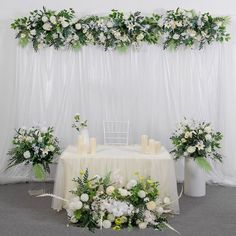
78	124
197	140
35	146
63	29
99	203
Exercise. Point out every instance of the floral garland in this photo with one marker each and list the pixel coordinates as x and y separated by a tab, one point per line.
46	28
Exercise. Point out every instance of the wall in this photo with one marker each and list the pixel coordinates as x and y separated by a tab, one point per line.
13	8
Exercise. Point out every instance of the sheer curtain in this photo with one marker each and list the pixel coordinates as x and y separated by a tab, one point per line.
152	88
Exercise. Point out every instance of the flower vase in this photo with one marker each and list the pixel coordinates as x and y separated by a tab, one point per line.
83	141
194	179
85	134
37	186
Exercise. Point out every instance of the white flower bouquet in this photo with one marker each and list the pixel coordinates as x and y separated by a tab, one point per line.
198	141
78	124
99	203
36	146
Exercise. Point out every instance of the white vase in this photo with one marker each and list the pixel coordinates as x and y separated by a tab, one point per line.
84	132
194	179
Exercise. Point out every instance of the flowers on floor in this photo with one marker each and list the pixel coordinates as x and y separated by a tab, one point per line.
63	29
197	140
35	146
100	203
78	124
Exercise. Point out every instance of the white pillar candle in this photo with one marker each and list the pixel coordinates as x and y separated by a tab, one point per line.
144	143
158	147
80	144
152	149
93	145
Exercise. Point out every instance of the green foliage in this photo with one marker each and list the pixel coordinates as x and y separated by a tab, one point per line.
46	28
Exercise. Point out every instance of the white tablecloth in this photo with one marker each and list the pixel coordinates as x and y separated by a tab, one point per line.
123	159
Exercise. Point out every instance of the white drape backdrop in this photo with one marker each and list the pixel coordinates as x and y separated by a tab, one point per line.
152	88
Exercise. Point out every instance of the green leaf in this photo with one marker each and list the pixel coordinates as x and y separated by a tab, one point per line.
122	49
38	172
203	163
23	42
78	214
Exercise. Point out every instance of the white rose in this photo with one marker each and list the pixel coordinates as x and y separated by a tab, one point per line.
191	149
65	24
132	183
78	26
166	200
110	190
146	199
73	219
106	224
33	32
176	36
142	225
109	24
23	36
151	205
47	26
51	148
44	19
208	129
111	217
208	137
75	205
84	197
142	194
160	210
53	20
140	37
123	192
26	155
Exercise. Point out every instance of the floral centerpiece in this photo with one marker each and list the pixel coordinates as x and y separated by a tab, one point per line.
36	147
197	141
100	203
78	124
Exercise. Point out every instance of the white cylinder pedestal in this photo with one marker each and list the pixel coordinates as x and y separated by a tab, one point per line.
194	179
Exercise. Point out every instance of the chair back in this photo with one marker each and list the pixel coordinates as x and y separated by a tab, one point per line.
116	132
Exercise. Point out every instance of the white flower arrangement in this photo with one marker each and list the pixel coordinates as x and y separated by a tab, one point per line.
78	124
36	146
101	203
197	140
62	29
